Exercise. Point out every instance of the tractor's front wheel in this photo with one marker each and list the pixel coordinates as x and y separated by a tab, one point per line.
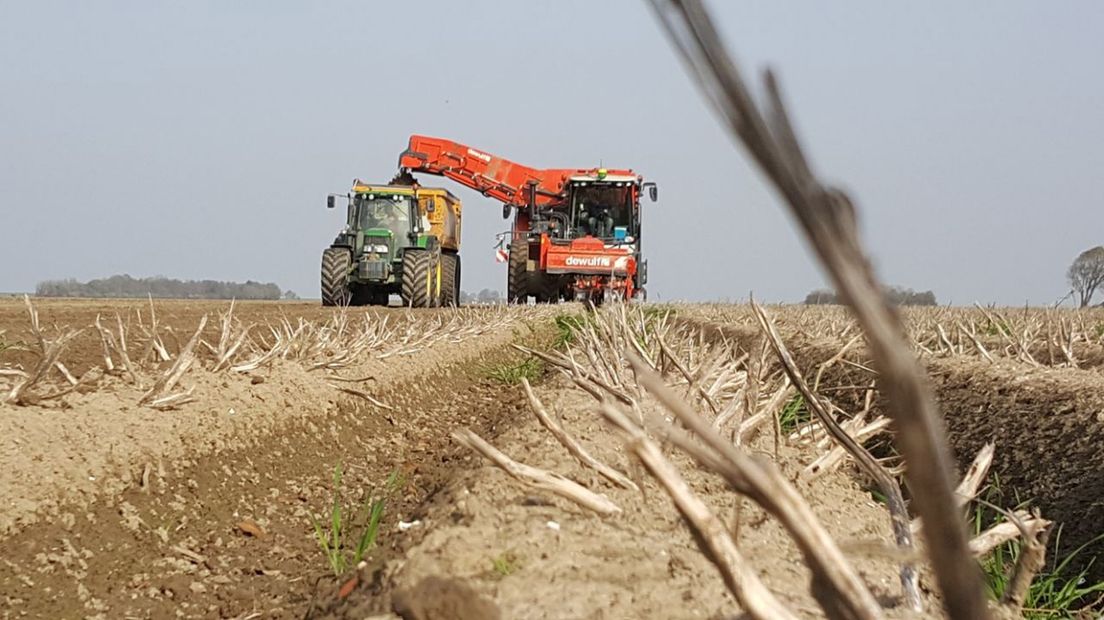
336	263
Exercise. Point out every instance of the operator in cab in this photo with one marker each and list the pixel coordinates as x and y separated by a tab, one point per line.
385	215
595	219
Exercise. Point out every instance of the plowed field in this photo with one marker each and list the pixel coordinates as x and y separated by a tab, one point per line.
133	495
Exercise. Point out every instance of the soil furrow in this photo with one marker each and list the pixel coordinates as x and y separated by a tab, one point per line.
230	534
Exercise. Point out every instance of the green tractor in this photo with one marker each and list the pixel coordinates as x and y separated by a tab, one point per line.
398	240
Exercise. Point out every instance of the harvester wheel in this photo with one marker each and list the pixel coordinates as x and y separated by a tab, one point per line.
420	279
450	280
336	263
518	278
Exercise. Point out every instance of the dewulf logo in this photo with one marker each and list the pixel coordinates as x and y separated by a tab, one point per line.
474	153
594	261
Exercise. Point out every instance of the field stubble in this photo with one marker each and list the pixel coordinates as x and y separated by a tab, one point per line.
202	504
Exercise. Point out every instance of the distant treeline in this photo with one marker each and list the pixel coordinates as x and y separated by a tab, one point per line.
897	295
158	286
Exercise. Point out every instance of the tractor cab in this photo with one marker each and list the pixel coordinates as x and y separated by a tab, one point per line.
381	221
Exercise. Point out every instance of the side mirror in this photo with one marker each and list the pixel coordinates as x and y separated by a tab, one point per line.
330	201
506	209
653	191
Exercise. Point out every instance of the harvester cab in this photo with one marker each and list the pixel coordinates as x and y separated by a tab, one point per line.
603	207
398	239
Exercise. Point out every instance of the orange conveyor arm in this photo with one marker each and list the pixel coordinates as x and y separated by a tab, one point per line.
499	178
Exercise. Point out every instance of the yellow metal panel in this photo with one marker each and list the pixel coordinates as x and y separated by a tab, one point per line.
444	217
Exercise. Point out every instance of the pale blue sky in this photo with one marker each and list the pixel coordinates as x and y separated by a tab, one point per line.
198	139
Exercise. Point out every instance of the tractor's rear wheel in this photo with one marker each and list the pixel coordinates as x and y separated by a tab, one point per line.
421	279
450	280
458	289
517	280
336	263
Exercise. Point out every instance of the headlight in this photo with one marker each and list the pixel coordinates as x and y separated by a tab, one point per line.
379	249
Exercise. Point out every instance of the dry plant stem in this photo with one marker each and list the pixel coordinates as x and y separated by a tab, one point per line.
113	346
720	548
977	343
691	378
827	218
107	340
976	474
225	351
48	351
895	501
155	343
1050	339
836	585
1031	561
70	389
123	353
361	394
173	400
774	403
572	446
984	543
537	478
183	362
830	460
262	360
734	409
1018	345
65	373
350	379
578	375
968	488
946	342
831	361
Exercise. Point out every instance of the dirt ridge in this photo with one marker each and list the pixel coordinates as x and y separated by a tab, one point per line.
1047	424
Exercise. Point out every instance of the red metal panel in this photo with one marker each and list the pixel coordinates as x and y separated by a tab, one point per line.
589	256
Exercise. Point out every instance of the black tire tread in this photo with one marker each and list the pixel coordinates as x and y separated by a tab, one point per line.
336	263
517	278
416	269
450	280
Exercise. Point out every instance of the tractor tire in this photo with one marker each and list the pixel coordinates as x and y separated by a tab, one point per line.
517	280
458	289
336	263
450	280
420	279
